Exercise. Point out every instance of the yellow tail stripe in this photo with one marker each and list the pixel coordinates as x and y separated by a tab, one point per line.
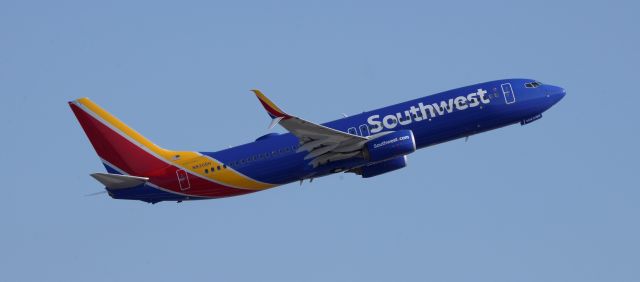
186	160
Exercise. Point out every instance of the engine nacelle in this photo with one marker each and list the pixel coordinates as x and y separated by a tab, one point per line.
398	143
383	167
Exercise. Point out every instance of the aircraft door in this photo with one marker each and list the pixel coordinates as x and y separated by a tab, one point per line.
509	96
183	179
364	130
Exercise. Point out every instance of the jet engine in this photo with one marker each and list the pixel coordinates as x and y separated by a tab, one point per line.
382	167
398	143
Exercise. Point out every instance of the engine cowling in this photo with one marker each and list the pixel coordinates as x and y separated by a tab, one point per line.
383	167
398	143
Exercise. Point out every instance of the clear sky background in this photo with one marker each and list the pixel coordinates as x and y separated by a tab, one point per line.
556	200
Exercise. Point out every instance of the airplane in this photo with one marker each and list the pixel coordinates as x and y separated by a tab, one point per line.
367	144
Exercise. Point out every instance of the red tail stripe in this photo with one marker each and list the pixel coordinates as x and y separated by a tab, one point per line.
122	153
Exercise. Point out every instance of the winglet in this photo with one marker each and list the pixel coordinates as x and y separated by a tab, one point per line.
273	110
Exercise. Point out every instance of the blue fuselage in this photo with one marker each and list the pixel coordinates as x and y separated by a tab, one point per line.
432	119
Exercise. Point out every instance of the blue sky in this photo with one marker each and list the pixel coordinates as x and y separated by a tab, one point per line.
556	200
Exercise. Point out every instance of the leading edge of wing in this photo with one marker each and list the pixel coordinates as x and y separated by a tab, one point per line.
298	126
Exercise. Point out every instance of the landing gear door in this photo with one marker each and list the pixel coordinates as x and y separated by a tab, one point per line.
507	91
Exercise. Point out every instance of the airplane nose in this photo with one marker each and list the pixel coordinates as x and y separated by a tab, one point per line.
556	93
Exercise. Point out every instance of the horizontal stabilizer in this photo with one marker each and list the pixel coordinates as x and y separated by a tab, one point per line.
117	181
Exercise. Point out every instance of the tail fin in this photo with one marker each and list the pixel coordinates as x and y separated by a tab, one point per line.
122	149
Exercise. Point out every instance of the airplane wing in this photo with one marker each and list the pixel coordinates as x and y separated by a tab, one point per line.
324	144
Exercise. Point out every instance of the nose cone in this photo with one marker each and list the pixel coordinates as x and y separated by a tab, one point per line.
554	93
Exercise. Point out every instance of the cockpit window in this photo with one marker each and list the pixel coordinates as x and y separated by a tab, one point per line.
534	84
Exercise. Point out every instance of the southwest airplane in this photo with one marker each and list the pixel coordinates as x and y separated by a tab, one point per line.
367	144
